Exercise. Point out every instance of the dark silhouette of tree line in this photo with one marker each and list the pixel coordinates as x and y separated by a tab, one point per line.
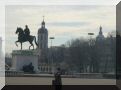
78	55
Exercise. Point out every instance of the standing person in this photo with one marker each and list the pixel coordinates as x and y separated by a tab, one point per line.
27	32
57	82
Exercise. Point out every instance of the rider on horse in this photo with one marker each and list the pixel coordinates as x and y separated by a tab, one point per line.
27	32
24	36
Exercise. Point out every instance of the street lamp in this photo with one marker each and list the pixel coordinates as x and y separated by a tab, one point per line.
90	33
90	44
51	38
91	41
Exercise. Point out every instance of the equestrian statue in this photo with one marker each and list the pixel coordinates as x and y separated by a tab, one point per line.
24	36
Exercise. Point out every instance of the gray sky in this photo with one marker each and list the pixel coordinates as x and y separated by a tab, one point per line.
64	22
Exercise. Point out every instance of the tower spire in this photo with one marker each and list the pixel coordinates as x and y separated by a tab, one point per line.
43	22
100	32
43	18
100	27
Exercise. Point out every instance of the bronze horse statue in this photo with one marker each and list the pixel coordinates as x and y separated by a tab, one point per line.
23	38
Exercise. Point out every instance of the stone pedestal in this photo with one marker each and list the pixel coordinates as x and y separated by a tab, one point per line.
21	58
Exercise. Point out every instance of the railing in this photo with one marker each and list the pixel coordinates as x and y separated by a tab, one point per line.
13	73
85	75
76	75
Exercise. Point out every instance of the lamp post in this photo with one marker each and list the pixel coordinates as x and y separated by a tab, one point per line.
51	38
90	44
90	40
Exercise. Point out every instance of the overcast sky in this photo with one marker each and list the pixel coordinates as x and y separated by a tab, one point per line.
63	22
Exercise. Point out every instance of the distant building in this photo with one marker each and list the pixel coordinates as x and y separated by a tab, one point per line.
43	48
0	46
42	43
105	53
100	36
2	61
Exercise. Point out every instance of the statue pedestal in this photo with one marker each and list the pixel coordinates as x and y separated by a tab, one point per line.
24	57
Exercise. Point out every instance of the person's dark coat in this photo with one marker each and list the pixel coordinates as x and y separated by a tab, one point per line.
58	78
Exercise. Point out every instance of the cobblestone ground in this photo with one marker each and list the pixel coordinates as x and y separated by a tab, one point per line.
65	81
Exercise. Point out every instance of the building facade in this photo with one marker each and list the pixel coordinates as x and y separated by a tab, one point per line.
43	48
0	46
42	43
105	48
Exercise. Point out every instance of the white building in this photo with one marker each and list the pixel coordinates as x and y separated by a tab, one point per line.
2	59
0	47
